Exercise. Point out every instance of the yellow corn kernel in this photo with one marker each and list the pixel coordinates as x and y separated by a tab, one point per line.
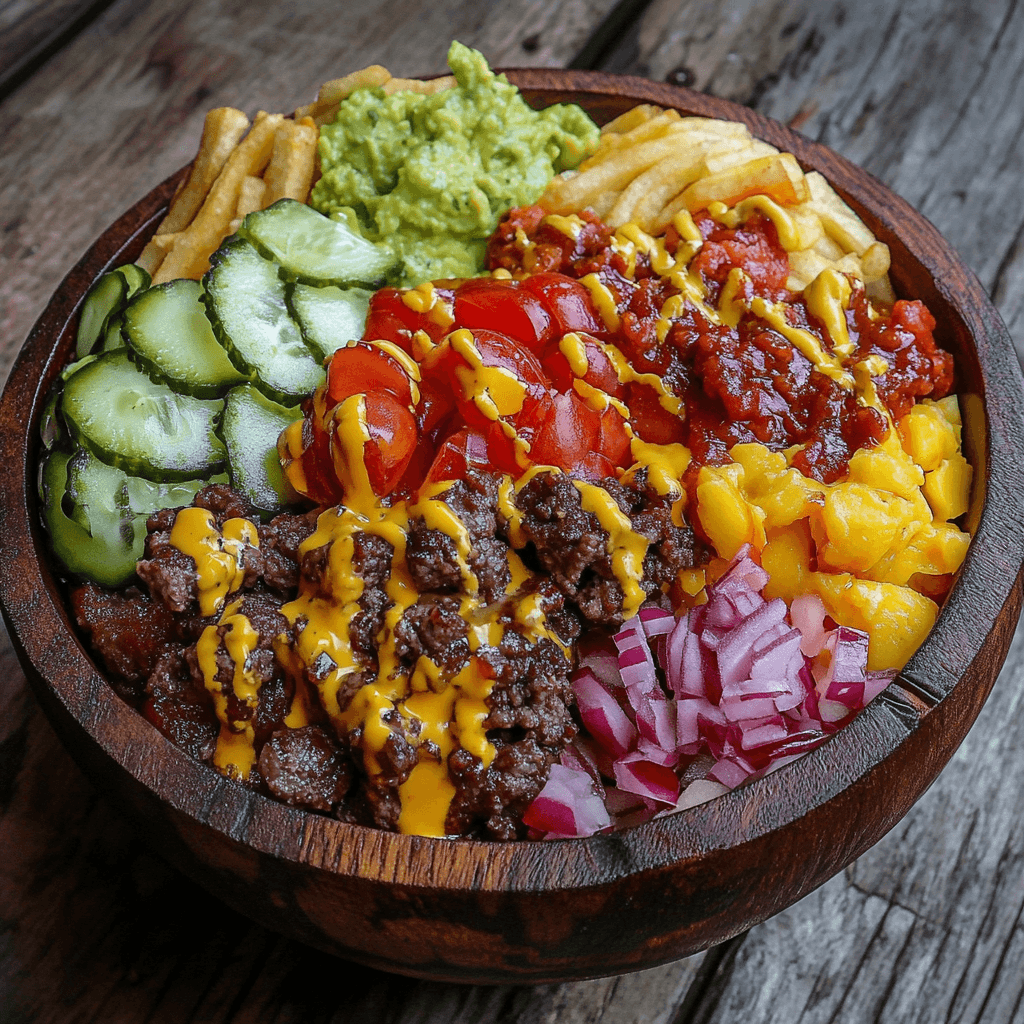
896	618
948	487
727	518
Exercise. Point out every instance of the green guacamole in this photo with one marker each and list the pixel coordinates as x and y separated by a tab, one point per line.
431	175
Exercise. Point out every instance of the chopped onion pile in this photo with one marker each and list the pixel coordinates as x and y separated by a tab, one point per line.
683	710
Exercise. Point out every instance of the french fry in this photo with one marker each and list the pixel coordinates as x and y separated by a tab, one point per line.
427	88
333	92
290	172
250	196
730	152
563	195
645	196
875	262
193	246
631	118
767	175
841	223
222	130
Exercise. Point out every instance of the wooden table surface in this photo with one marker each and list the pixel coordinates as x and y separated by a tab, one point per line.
101	100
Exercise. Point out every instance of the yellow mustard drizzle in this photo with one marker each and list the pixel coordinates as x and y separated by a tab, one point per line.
774	314
570	226
495	391
218	555
424	298
626	547
235	754
828	298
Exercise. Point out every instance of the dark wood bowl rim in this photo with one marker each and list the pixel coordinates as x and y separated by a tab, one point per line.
34	607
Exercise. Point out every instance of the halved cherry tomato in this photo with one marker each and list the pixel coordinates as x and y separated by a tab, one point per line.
365	367
612	438
492	377
599	371
462	451
568	435
567	301
390	318
504	306
393	437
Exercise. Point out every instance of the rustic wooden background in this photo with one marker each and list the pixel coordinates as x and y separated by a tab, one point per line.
99	101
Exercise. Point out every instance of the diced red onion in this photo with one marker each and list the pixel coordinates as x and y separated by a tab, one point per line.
568	805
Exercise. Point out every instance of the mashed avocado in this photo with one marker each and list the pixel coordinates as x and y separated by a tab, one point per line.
431	175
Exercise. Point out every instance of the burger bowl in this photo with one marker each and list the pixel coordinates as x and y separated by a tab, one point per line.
473	911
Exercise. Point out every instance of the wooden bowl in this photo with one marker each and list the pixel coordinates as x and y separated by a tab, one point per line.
532	912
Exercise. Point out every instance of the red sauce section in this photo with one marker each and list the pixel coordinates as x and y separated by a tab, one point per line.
743	383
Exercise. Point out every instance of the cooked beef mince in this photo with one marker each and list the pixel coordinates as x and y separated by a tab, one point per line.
128	632
306	767
180	668
573	547
179	708
432	555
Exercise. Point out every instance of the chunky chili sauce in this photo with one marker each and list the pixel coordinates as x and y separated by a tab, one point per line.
734	345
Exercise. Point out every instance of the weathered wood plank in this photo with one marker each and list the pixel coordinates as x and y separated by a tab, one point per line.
29	29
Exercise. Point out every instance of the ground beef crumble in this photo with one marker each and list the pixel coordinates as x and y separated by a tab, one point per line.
147	640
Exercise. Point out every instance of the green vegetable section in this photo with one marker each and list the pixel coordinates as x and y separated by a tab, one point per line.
190	383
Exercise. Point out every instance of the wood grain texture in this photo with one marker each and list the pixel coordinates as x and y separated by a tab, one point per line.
32	29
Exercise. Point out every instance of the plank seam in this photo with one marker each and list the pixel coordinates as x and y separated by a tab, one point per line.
705	992
24	68
608	34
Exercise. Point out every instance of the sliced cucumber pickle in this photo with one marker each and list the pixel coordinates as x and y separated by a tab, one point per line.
314	249
329	317
171	337
127	420
251	425
105	297
97	515
245	300
103	302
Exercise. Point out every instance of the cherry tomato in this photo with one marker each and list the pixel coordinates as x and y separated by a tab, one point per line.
492	377
612	439
504	306
568	435
464	450
393	437
599	373
366	367
567	301
391	319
